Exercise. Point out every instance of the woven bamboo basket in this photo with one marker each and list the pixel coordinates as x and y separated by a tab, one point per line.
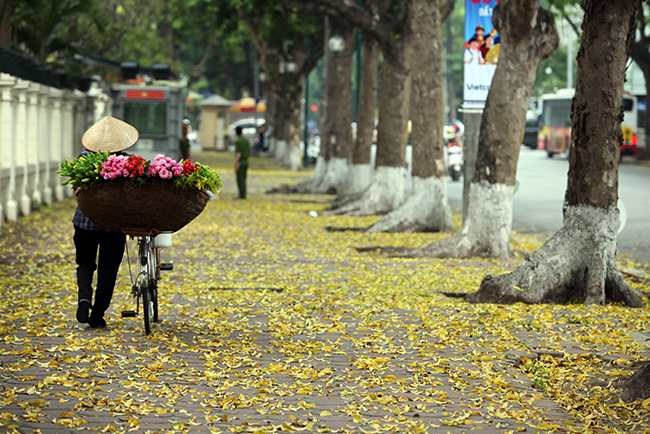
146	209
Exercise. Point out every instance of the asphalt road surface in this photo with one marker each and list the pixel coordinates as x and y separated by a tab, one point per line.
539	198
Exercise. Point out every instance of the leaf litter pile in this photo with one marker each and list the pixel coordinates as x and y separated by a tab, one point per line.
272	323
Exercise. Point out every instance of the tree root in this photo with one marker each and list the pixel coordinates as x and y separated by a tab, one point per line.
299	189
637	387
425	210
385	194
341	201
576	264
381	249
444	248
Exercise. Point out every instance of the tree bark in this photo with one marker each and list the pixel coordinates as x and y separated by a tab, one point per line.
360	173
578	262
6	11
167	30
528	35
367	101
337	119
427	208
387	190
451	80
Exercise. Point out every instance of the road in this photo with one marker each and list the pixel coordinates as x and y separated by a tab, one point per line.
539	198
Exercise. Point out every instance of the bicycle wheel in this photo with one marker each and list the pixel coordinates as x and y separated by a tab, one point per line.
146	307
153	288
148	264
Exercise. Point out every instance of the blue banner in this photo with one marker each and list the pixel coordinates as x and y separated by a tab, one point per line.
482	48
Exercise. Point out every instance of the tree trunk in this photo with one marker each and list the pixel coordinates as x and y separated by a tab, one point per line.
280	132
427	208
6	11
337	119
451	80
578	262
360	173
166	30
528	35
293	136
287	133
387	190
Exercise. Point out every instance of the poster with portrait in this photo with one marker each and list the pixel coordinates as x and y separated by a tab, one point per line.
482	48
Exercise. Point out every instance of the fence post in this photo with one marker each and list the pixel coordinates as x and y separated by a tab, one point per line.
56	142
67	127
44	119
7	175
32	135
20	143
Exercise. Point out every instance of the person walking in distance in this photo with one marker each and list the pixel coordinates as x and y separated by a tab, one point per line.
242	153
114	136
184	145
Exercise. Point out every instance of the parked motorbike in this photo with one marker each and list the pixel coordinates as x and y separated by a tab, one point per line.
454	152
455	161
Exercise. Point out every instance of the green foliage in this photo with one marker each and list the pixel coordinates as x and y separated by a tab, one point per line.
131	32
552	73
203	178
83	171
41	25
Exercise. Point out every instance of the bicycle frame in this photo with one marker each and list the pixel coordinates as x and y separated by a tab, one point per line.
145	283
147	280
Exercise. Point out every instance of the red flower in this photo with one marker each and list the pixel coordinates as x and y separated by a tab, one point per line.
136	166
188	167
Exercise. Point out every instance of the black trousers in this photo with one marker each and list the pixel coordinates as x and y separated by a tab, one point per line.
111	250
241	181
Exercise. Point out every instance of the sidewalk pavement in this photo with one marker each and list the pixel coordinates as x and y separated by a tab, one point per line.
270	323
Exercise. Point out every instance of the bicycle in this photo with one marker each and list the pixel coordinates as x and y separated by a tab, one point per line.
145	284
139	212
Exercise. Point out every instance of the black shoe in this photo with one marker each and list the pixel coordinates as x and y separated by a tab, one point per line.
97	323
83	309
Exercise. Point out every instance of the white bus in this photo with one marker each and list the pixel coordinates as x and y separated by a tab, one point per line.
555	123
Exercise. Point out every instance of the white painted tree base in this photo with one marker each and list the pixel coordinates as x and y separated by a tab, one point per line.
358	180
576	264
335	176
425	210
385	194
310	184
281	158
486	231
295	158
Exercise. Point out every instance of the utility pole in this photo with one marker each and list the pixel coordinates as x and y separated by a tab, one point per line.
357	45
305	157
569	60
256	84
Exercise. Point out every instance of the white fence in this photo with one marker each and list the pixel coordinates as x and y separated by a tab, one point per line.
39	127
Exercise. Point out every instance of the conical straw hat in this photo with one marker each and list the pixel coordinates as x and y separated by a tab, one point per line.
110	135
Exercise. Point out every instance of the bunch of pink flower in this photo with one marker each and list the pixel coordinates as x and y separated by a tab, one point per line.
164	167
115	167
